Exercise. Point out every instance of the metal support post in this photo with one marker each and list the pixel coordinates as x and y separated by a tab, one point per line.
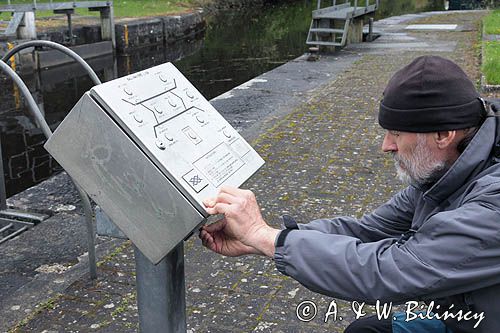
161	293
108	25
370	29
3	192
70	27
68	13
27	28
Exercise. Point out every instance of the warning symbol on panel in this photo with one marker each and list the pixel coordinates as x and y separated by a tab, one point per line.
195	180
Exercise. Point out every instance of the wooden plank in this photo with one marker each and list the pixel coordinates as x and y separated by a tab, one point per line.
327	30
16	19
330	9
344	13
337	14
324	43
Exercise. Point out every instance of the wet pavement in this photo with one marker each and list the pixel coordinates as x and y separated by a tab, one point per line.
317	130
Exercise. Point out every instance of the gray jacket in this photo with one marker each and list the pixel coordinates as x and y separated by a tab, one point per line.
441	243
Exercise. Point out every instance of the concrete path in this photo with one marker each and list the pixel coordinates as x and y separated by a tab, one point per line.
315	125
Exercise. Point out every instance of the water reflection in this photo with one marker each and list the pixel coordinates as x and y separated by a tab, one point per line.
237	46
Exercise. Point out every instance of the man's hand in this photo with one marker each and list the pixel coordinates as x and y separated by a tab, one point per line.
242	230
214	238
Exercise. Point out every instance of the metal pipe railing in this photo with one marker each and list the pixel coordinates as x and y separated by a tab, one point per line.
56	46
33	107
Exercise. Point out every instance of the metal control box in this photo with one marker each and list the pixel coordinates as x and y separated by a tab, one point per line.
148	148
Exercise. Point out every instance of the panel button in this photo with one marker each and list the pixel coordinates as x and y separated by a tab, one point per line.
127	91
158	109
192	135
189	94
195	180
160	144
172	103
138	118
163	77
226	133
200	119
169	137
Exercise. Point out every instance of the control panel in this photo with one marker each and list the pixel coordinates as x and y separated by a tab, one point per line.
149	148
179	130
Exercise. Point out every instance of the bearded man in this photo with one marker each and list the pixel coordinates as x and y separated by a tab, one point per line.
436	241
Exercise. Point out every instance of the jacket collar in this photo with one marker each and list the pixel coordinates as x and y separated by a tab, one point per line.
472	161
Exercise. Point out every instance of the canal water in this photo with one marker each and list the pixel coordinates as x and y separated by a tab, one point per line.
237	46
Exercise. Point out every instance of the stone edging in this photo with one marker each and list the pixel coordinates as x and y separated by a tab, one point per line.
129	33
142	32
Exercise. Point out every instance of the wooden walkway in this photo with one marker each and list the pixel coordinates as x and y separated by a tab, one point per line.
22	23
330	25
16	8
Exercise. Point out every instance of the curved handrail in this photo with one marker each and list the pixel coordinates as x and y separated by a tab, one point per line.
56	46
87	208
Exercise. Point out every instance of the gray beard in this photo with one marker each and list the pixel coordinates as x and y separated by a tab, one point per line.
431	177
420	168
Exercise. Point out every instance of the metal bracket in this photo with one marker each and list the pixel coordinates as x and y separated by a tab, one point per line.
106	227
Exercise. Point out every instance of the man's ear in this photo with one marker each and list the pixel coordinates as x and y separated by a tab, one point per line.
444	139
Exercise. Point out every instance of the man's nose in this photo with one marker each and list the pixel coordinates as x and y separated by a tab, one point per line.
389	144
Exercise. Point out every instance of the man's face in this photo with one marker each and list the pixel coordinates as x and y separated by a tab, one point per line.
415	160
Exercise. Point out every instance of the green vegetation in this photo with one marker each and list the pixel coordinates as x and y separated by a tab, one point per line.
491	49
491	65
122	8
492	23
47	305
136	8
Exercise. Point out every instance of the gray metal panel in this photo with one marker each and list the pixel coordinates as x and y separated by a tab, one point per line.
179	130
117	175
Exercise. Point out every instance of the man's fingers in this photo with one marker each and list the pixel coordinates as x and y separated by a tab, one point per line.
218	208
227	198
209	202
214	227
208	241
206	238
242	195
221	197
231	190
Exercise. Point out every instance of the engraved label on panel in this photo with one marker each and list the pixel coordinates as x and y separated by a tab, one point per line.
219	164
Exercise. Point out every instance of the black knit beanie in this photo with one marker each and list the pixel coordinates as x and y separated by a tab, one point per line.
428	95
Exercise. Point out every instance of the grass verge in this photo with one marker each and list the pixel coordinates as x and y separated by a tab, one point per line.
491	64
491	49
491	23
